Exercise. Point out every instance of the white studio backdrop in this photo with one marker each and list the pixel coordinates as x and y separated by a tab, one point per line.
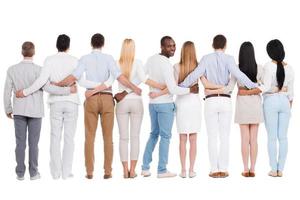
146	22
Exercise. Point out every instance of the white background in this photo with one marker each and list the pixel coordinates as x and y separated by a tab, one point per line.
146	22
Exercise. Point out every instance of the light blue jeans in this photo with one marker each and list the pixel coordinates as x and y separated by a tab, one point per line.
277	115
162	117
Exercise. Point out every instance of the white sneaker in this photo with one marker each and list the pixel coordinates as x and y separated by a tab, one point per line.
20	178
35	177
167	174
68	177
146	173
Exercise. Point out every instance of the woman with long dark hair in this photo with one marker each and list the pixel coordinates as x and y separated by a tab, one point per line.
277	106
248	110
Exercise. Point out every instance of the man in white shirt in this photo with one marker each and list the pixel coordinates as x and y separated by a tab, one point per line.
63	109
162	108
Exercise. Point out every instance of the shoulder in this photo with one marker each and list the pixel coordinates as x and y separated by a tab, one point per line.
50	58
73	58
37	68
138	63
268	66
86	56
107	57
13	68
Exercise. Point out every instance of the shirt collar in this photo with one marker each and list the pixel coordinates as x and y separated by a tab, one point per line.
96	50
26	60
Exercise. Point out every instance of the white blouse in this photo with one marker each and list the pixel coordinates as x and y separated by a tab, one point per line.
270	81
137	76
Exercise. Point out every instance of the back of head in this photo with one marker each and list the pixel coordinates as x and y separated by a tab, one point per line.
63	43
28	49
188	60
247	62
97	41
276	52
219	42
127	56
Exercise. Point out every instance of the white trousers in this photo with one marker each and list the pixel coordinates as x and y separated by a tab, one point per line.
63	116
129	112
218	111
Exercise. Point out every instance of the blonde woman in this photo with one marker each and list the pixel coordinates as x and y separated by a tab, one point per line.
130	108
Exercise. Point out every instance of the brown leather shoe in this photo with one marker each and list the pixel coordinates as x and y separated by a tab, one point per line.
107	176
251	174
223	174
89	176
214	175
246	174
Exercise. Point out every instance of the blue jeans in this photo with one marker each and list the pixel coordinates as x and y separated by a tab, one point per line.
162	117
277	115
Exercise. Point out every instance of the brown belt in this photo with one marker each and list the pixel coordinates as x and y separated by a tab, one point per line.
103	93
217	95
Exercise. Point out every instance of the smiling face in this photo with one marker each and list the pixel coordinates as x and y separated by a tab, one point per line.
168	48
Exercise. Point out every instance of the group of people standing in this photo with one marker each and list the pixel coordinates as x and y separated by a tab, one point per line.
97	71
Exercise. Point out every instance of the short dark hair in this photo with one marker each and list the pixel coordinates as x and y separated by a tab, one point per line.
97	40
63	42
163	40
219	42
28	49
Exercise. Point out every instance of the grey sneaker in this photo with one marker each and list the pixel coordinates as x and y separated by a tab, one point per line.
167	174
20	178
35	177
146	173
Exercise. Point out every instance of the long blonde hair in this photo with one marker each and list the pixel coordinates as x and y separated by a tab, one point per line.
188	60
127	57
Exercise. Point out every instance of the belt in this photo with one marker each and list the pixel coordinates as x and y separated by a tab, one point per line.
217	95
103	93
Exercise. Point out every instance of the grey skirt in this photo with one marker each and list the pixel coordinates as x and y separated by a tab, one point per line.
248	110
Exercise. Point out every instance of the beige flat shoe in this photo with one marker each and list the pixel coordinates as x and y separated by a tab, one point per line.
272	174
279	173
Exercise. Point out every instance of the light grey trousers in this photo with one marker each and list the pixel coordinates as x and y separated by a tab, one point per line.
129	111
22	123
63	117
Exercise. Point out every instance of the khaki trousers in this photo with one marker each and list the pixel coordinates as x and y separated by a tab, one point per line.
103	105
